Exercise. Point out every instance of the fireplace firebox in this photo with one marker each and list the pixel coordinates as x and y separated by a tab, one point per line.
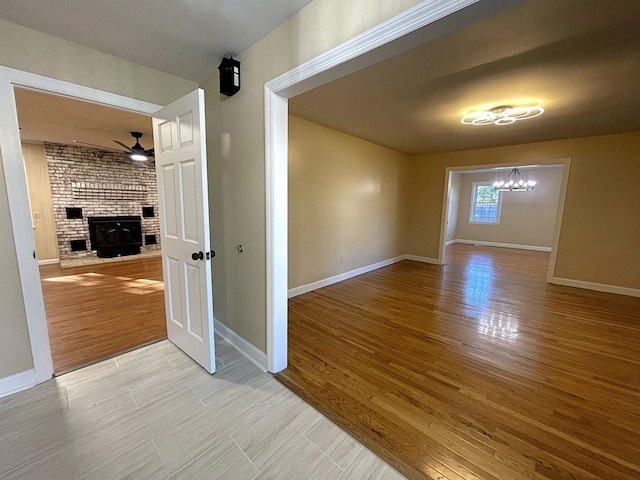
114	236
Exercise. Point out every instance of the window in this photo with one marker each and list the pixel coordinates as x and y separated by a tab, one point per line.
485	203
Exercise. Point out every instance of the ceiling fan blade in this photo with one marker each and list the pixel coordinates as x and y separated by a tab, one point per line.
101	147
123	145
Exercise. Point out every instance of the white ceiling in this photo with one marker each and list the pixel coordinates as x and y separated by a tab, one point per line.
187	38
579	59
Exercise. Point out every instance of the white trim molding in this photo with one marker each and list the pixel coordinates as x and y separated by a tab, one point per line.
17	382
309	287
417	258
250	351
599	287
34	81
277	220
16	186
567	282
318	70
49	261
564	163
501	245
394	36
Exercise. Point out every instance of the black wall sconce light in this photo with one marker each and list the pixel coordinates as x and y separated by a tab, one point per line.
229	76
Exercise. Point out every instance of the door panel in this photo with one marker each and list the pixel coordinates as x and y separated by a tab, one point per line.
165	137
168	209
189	203
173	291
184	217
185	126
192	276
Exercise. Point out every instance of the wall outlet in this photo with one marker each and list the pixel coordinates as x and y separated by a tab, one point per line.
341	259
36	215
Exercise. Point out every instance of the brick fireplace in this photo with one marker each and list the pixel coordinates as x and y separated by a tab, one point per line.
92	183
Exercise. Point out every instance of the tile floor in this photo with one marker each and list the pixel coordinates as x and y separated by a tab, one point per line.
153	413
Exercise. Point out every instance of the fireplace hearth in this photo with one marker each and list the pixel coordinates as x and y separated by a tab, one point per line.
115	236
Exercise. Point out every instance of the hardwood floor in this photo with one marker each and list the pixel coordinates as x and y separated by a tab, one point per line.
97	311
474	370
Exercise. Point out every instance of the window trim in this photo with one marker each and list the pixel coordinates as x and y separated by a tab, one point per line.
474	188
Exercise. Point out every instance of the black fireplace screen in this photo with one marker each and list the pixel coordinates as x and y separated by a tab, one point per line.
113	236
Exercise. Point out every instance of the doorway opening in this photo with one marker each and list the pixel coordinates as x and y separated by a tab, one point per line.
95	220
477	214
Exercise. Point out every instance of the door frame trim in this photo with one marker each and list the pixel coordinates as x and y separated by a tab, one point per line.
564	163
16	186
359	52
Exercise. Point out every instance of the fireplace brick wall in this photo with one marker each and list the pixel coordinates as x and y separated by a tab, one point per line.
102	184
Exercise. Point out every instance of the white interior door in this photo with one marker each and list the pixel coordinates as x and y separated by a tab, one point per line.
181	169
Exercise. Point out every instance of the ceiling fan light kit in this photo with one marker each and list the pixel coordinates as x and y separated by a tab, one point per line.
136	153
502	115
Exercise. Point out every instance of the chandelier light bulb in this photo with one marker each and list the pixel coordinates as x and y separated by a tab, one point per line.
502	115
514	183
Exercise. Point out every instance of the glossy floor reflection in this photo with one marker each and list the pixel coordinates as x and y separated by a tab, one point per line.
479	288
99	310
479	277
477	369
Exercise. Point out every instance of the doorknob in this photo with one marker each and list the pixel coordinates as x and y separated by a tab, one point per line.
197	256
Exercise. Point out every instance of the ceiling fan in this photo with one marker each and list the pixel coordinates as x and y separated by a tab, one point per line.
137	152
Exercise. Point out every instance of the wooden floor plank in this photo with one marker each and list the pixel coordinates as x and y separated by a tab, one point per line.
474	369
97	311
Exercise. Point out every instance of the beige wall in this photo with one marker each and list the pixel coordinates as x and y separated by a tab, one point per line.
235	141
600	230
345	202
25	49
527	218
44	224
15	348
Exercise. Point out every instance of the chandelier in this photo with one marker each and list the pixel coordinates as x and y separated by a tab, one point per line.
514	183
502	115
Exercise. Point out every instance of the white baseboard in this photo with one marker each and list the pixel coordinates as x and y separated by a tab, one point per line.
309	287
502	245
253	353
450	242
17	382
599	287
417	258
49	261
